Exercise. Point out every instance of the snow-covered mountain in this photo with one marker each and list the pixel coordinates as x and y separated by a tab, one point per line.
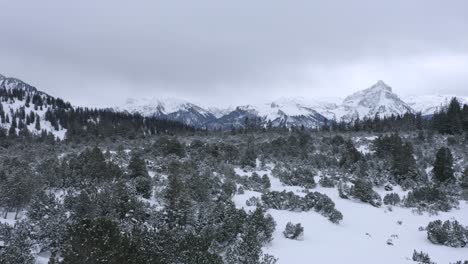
376	100
24	106
283	112
170	108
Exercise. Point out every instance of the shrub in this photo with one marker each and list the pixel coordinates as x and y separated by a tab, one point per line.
292	202
143	186
391	199
362	190
448	233
422	257
253	201
293	231
327	182
429	198
298	177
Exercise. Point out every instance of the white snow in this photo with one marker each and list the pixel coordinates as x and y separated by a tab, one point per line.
361	237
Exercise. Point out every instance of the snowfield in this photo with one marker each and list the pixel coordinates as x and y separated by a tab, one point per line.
362	235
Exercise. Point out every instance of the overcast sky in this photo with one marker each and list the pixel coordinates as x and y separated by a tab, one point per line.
233	52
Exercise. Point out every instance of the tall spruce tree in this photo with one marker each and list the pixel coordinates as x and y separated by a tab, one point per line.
443	165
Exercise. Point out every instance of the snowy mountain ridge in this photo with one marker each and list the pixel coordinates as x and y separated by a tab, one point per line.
377	100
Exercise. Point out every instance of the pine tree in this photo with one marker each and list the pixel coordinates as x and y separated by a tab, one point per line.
454	117
443	165
37	125
137	167
464	179
178	205
266	181
249	157
144	186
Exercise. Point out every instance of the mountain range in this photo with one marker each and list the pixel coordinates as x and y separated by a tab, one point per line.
379	99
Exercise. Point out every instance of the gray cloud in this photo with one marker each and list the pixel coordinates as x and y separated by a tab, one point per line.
231	52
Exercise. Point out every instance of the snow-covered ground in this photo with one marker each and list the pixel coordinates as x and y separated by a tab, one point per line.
362	235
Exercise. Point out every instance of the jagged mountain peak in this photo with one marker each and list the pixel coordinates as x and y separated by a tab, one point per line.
150	106
170	108
378	99
381	85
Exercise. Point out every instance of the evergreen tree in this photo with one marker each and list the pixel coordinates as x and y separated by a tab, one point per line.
249	157
454	117
96	241
17	185
464	179
144	186
266	182
137	166
443	165
293	231
37	125
178	205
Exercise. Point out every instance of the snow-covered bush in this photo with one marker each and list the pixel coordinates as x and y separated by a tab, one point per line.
143	186
255	182
391	199
362	190
448	233
319	202
344	191
327	182
422	257
429	198
252	201
282	201
296	176
322	204
293	231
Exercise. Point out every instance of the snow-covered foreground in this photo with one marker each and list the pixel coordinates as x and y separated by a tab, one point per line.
362	235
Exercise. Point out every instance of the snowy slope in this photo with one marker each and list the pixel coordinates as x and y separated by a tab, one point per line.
12	105
361	237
